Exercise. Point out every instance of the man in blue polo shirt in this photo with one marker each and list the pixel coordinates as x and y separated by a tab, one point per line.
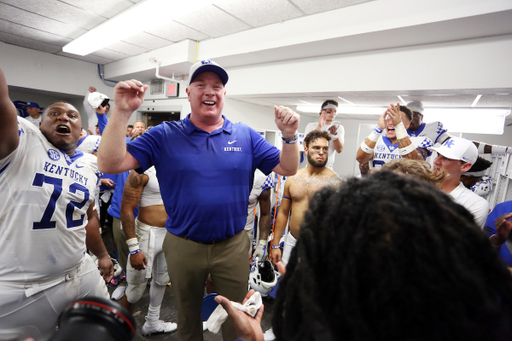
205	166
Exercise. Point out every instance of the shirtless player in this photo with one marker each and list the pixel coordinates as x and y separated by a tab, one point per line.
299	188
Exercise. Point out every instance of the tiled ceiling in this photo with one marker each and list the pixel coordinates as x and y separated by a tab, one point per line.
50	24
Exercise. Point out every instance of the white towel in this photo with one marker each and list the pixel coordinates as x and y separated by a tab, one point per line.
220	315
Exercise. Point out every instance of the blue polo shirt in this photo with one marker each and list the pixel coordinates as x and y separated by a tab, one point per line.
205	179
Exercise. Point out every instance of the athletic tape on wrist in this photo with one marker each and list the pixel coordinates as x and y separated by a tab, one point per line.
407	150
481	148
134	252
366	149
375	134
497	149
400	131
133	247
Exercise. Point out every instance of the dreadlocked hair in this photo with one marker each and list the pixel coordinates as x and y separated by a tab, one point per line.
392	258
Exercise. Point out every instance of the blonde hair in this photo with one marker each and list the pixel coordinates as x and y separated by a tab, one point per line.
417	169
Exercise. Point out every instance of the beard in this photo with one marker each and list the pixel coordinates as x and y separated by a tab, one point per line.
315	163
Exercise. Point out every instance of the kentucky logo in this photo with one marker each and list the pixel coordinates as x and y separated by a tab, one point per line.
381	148
53	154
449	143
206	61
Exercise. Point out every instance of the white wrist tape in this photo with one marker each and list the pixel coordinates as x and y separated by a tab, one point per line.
481	148
497	149
407	150
375	134
400	131
133	244
366	149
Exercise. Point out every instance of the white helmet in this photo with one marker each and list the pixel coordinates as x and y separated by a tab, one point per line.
262	278
482	187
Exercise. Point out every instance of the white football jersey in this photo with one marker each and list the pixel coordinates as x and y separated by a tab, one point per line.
385	151
259	185
433	130
43	207
89	144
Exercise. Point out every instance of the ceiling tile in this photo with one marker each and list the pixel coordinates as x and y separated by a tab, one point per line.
500	99
110	54
59	11
31	33
174	31
126	48
214	22
107	9
147	40
39	22
91	58
260	12
318	6
28	43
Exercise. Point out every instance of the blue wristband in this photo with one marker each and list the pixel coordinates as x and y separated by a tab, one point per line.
134	252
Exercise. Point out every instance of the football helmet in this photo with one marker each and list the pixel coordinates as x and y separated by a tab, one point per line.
262	278
482	187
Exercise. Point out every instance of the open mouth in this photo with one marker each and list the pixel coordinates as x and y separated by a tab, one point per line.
210	103
62	129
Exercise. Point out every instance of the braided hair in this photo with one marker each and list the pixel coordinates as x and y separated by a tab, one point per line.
392	258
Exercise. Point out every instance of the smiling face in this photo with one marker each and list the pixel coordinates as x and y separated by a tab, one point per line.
206	96
61	124
390	131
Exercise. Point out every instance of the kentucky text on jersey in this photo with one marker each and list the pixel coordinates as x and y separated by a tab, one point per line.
386	156
232	149
59	170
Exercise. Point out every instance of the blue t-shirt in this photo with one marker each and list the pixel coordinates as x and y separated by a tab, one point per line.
115	204
205	179
504	207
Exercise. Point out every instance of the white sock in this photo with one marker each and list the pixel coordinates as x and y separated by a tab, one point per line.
153	314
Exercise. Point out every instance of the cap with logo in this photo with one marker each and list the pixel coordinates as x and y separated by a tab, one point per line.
95	99
208	65
415	106
457	148
33	105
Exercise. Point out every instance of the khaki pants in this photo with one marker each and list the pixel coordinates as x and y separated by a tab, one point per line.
189	263
120	240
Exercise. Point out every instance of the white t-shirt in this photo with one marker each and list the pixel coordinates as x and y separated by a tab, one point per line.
34	121
150	195
474	203
332	152
43	207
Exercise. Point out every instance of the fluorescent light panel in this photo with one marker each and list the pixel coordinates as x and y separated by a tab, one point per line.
469	120
343	110
134	20
476	101
474	121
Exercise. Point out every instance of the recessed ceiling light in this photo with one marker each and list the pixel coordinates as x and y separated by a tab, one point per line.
476	101
345	100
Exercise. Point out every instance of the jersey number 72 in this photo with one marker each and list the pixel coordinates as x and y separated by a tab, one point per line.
46	222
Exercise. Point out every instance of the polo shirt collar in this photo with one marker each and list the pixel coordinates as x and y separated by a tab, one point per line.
189	127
